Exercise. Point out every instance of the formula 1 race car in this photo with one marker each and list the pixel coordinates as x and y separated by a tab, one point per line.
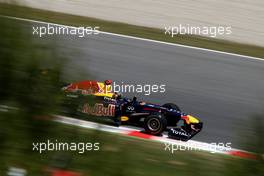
96	99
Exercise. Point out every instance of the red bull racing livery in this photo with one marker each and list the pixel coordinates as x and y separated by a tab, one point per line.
96	99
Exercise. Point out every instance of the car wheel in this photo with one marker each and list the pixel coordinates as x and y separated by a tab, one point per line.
155	125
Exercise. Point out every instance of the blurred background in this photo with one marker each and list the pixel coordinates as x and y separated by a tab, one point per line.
217	88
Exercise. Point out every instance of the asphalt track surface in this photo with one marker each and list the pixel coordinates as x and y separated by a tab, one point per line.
224	91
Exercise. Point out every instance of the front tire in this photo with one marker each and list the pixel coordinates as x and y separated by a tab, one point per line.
155	125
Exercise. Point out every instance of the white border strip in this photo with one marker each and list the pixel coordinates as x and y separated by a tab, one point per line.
131	132
126	131
142	39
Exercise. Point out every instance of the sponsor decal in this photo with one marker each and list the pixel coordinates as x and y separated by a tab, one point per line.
109	99
124	118
180	133
99	110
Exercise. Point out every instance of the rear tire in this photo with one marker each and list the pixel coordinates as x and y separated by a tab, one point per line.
155	125
171	106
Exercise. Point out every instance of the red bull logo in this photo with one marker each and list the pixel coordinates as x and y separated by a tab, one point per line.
99	110
189	119
88	87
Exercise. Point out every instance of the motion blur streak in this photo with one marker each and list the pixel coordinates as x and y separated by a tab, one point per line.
222	89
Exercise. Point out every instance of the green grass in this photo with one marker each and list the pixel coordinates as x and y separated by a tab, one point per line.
118	154
132	30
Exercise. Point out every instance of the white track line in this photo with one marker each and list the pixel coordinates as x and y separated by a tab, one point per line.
90	125
142	39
